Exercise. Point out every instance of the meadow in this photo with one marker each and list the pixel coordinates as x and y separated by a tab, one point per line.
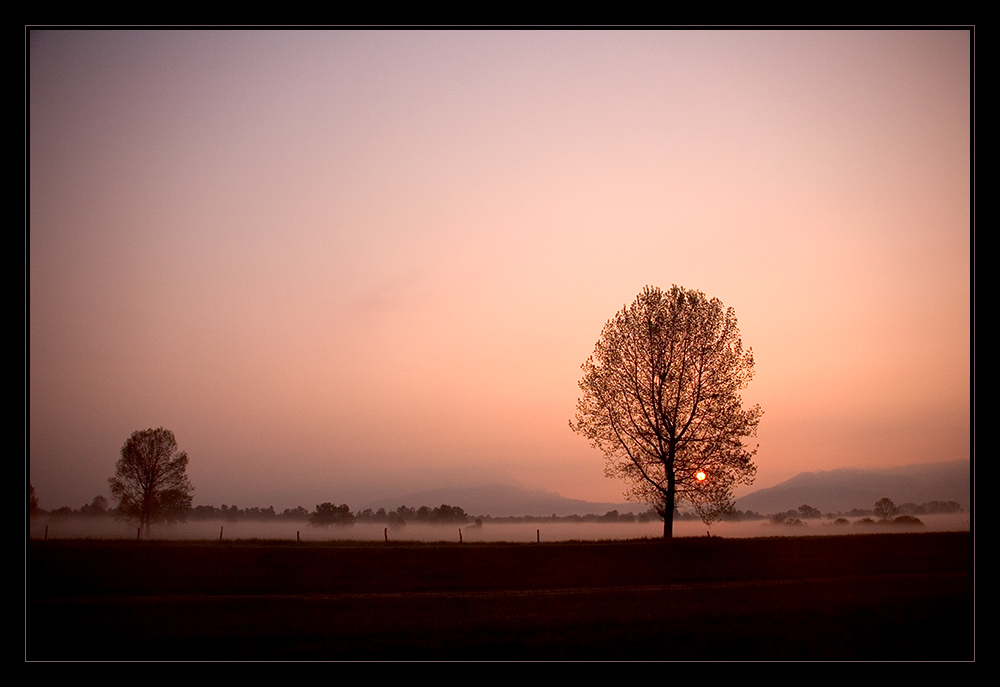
905	596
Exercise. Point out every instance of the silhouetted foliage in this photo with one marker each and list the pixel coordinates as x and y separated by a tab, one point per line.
99	506
930	508
885	508
150	482
907	520
32	501
297	513
661	400
449	514
329	514
807	511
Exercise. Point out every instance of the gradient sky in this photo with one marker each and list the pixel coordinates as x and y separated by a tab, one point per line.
342	265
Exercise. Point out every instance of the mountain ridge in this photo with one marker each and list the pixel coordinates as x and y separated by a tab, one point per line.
844	489
831	491
502	500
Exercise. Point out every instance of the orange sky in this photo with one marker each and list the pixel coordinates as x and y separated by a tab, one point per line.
343	265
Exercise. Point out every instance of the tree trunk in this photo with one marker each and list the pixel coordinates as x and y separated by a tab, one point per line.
668	514
671	495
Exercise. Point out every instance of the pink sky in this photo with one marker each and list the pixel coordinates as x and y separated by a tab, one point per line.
344	265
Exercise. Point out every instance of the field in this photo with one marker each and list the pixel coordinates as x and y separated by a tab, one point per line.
863	597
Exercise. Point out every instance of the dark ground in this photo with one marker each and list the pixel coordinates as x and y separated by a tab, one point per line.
855	597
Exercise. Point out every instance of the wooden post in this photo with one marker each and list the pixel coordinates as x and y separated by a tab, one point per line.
538	536
46	532
220	532
386	534
297	536
459	535
137	533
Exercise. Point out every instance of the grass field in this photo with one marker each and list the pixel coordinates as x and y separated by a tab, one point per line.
865	597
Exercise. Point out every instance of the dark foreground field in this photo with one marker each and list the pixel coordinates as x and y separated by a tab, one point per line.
866	597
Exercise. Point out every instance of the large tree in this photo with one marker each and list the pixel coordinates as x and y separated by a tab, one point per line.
661	400
150	481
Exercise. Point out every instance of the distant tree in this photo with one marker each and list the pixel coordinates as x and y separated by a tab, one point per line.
204	513
885	508
943	507
807	511
99	506
661	400
258	513
395	519
151	482
449	514
297	513
329	514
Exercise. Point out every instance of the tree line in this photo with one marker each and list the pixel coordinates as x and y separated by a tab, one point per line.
885	510
330	514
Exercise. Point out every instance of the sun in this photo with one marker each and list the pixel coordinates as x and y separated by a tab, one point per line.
700	476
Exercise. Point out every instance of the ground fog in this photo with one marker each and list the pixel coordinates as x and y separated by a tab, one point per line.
109	528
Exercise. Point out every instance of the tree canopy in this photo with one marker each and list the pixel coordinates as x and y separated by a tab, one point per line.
661	400
150	482
329	514
885	508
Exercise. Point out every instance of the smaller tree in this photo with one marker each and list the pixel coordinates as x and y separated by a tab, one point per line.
885	508
807	511
99	506
150	481
329	514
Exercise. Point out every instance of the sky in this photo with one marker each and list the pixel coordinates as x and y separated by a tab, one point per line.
342	265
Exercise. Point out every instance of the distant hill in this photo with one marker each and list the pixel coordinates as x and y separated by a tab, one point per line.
848	488
831	491
501	500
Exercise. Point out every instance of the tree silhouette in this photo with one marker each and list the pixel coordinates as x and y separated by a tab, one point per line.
99	506
329	514
150	481
885	508
661	400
